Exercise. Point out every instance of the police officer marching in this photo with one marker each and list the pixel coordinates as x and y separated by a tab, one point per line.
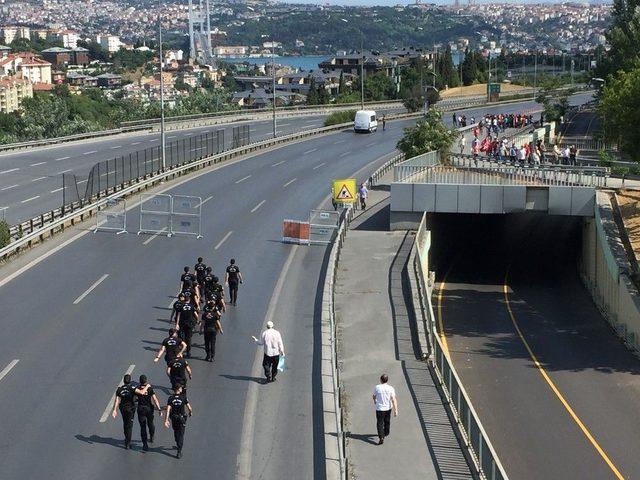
177	370
232	278
125	402
146	401
177	407
172	346
210	327
186	322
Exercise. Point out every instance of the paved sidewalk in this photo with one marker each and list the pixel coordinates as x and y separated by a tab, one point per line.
377	335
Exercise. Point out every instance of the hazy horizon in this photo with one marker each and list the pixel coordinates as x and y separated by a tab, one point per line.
390	3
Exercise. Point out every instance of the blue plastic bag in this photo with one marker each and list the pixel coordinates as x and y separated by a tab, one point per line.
281	363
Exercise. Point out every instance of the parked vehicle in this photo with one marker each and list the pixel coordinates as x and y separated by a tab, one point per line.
365	121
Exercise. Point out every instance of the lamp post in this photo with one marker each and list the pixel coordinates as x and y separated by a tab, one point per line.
433	86
362	57
273	72
162	138
535	75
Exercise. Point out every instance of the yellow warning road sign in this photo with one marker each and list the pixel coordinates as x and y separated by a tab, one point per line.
344	191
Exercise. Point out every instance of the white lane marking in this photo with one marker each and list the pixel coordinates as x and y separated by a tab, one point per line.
90	289
243	460
56	190
243	179
279	163
289	182
171	136
9	188
152	140
206	200
38	179
9	171
224	239
117	146
283	124
310	151
155	235
258	206
319	165
64	171
2	209
107	410
135	143
339	141
90	152
29	199
344	154
61	158
8	368
36	164
370	144
82	181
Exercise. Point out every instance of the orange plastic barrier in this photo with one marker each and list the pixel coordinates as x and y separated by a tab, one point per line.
294	231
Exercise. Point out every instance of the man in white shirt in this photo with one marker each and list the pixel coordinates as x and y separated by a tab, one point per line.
271	340
384	398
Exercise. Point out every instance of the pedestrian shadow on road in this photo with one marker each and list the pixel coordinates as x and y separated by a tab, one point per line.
94	439
366	438
243	378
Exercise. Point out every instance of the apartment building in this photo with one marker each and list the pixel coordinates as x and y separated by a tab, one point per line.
110	43
12	91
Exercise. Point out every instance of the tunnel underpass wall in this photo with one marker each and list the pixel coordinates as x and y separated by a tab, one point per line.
603	268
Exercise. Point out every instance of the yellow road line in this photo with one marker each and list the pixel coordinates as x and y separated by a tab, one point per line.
553	387
443	338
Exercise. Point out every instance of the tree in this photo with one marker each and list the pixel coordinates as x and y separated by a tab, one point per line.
447	73
379	87
428	135
342	84
623	37
312	97
619	112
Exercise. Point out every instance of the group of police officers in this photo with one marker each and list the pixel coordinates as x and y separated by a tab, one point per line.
200	303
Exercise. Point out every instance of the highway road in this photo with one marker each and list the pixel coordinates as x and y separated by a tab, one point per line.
31	180
80	311
72	343
576	415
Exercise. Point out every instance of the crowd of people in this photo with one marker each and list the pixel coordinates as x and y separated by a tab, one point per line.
486	141
199	308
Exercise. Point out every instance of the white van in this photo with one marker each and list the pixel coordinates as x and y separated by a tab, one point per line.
365	121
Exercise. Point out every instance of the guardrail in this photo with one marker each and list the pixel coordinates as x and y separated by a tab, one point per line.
486	461
379	173
333	385
70	138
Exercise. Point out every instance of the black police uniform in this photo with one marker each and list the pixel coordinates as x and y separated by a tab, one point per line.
177	308
233	279
210	317
188	277
201	270
178	417
171	348
178	372
126	394
207	282
187	323
145	415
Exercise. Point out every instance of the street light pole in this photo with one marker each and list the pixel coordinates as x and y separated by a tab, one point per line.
362	69
162	138
535	75
273	101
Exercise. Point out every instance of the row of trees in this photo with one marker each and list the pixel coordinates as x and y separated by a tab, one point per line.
62	113
620	96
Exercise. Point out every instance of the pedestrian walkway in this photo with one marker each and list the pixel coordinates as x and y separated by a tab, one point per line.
376	334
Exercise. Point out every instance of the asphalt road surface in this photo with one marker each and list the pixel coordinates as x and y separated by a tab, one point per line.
31	180
73	343
576	415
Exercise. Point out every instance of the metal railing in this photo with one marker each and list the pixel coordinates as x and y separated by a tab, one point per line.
388	165
486	461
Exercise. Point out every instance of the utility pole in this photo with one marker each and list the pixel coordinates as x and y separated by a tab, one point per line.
273	101
209	49
535	75
362	69
162	139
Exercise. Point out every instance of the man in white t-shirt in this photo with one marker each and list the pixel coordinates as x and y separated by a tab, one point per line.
384	398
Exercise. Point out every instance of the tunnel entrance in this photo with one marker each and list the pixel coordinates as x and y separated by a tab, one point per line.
534	247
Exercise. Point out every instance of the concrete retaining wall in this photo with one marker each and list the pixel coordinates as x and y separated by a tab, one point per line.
604	270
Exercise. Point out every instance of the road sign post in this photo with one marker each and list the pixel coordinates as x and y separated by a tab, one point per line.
344	191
